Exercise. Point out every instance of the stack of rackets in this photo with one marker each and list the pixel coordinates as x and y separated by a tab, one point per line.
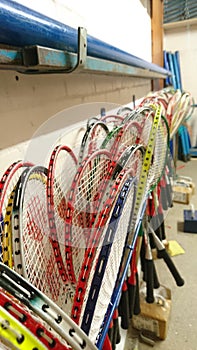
72	230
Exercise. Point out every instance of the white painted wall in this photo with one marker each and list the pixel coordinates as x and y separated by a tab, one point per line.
124	24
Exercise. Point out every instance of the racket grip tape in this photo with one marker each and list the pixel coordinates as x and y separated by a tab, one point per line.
110	333
124	307
116	333
162	253
131	295
137	310
177	277
155	277
149	282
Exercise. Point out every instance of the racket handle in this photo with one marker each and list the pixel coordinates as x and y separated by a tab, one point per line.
164	201
169	195
110	334
149	282
155	277
107	344
163	254
142	257
131	294
136	310
116	334
124	307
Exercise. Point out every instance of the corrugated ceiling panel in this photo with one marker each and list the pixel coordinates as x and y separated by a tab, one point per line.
179	10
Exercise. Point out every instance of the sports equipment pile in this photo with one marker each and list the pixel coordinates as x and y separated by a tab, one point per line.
72	231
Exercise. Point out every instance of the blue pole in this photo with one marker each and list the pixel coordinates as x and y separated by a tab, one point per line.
21	26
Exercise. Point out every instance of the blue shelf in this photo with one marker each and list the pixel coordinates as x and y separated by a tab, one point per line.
55	47
37	59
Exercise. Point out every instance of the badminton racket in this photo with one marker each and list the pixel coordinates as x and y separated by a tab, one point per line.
129	160
18	336
108	259
32	322
83	201
47	310
62	162
32	249
92	139
143	187
7	232
163	254
7	184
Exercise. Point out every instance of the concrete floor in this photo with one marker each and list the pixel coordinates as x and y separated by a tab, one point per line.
182	331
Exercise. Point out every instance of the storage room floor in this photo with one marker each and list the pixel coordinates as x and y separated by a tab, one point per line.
182	330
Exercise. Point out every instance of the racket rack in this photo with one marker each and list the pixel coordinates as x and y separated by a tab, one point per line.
48	46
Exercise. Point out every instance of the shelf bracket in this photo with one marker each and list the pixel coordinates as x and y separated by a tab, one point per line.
36	57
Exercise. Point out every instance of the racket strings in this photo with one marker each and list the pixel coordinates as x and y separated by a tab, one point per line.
115	252
96	240
38	260
62	161
93	138
83	204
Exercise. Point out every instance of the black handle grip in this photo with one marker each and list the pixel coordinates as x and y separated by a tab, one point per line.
155	277
149	282
169	195
136	310
116	334
131	292
179	280
124	307
164	201
162	253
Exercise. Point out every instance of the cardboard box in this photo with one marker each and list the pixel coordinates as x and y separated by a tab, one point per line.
182	194
154	317
185	181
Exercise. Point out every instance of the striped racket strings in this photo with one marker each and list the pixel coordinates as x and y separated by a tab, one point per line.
45	308
37	260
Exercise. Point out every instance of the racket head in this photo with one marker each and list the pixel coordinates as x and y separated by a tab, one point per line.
32	322
16	334
7	250
108	261
45	308
83	201
128	163
92	140
62	161
7	184
34	257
